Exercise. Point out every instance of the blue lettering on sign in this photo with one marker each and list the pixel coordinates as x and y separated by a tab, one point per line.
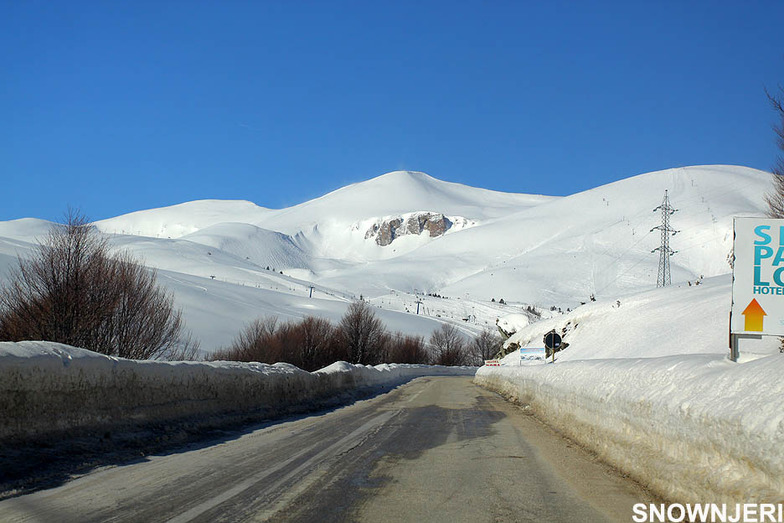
764	252
758	276
760	253
760	231
778	291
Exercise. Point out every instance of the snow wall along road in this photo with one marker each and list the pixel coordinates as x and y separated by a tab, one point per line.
692	428
49	390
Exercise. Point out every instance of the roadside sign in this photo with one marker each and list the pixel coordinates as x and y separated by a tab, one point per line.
758	277
532	354
552	340
492	363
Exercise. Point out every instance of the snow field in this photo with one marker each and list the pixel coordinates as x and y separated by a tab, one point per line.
50	390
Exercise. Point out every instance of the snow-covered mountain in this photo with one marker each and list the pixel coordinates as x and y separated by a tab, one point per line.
231	261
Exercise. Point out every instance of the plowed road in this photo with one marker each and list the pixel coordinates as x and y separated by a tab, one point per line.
436	449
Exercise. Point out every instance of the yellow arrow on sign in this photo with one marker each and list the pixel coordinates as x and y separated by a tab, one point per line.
754	315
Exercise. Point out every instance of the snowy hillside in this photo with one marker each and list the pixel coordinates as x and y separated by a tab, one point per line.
675	320
562	250
229	262
182	219
328	226
261	246
599	241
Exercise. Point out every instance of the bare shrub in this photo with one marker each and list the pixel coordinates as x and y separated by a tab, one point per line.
287	341
362	334
318	344
255	342
405	348
361	337
187	349
144	323
485	346
310	344
448	346
74	291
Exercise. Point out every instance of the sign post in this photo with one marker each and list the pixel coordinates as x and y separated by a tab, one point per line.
757	281
552	341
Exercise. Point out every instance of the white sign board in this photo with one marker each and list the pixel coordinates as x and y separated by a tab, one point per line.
529	354
758	277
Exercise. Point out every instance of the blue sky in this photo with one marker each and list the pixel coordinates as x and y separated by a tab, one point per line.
112	107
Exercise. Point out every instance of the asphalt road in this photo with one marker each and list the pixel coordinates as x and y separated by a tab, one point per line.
436	449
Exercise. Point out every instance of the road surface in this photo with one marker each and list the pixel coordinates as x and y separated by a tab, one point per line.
436	449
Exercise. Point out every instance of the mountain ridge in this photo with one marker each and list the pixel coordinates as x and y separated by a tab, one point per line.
229	261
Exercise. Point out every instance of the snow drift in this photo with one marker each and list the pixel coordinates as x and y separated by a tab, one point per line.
647	385
49	390
697	429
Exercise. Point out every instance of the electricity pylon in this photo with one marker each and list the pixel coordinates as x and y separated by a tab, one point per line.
665	252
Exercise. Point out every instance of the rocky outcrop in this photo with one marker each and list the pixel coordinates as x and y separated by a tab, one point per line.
385	231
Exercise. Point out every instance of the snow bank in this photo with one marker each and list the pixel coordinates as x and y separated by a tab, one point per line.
646	384
49	390
511	323
693	428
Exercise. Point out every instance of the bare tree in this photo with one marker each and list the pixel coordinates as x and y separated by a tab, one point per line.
256	342
485	346
448	346
362	334
144	322
288	340
310	344
406	348
775	199
186	349
74	291
317	347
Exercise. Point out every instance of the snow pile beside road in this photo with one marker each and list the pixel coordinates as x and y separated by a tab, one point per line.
695	428
690	424
48	390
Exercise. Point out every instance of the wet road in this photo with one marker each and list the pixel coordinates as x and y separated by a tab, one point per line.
436	449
